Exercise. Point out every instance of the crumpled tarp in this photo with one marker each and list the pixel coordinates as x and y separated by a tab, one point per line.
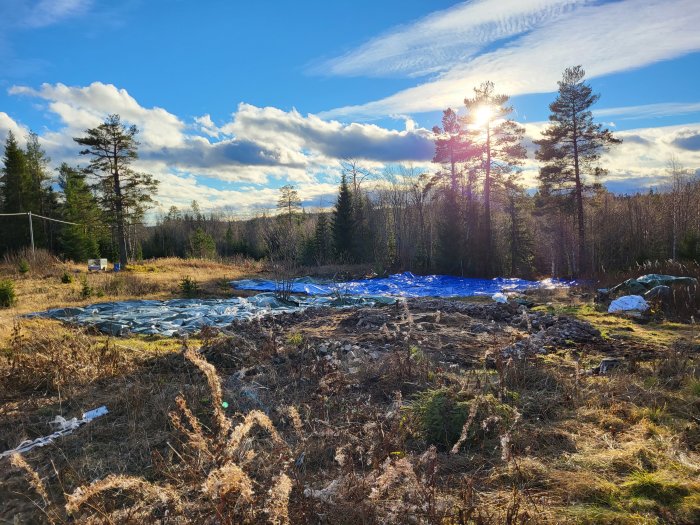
628	303
646	282
405	285
189	315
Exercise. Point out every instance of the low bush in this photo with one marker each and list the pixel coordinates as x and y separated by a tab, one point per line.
189	286
438	415
23	266
66	278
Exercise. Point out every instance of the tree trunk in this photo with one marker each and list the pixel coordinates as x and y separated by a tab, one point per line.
119	208
487	203
582	260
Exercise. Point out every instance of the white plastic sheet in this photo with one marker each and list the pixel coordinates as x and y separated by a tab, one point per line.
628	303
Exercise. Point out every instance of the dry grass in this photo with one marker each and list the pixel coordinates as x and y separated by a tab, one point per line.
261	425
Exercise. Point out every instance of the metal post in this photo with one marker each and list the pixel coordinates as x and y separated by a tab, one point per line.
31	231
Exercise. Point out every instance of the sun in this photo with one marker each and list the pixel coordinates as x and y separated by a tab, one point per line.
482	115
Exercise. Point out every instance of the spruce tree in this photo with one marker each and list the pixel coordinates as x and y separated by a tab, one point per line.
571	147
80	241
14	195
40	196
15	178
343	222
322	244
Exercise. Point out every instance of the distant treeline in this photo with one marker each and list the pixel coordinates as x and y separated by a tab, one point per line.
395	225
471	216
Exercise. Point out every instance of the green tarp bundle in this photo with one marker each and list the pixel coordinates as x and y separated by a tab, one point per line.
642	284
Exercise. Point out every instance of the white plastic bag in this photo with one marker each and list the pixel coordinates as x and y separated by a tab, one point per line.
500	297
628	303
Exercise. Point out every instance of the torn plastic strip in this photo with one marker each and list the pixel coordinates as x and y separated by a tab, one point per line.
65	427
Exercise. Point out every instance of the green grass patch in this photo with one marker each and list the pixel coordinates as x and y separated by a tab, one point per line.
655	486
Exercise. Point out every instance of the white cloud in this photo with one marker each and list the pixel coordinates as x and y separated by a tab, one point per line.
49	12
604	37
436	42
84	107
267	147
207	126
262	146
640	161
329	138
7	124
664	109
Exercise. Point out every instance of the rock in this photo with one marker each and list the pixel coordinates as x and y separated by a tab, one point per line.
607	365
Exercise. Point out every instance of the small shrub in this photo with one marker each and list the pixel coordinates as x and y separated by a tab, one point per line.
438	415
66	278
7	294
85	290
189	286
295	339
23	266
694	387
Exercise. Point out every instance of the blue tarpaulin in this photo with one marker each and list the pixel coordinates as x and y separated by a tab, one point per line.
404	285
188	315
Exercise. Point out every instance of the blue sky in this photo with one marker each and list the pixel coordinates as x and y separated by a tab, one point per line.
235	99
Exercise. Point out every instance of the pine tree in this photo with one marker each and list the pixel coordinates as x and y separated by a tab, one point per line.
571	147
501	151
80	241
289	202
343	223
125	193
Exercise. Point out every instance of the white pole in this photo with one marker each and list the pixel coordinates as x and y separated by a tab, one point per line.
31	231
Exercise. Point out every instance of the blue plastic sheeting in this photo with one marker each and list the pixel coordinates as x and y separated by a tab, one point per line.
188	315
405	285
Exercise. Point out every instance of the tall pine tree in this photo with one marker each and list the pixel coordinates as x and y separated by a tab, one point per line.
125	193
500	141
571	147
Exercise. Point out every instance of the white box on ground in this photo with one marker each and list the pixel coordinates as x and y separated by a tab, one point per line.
96	265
